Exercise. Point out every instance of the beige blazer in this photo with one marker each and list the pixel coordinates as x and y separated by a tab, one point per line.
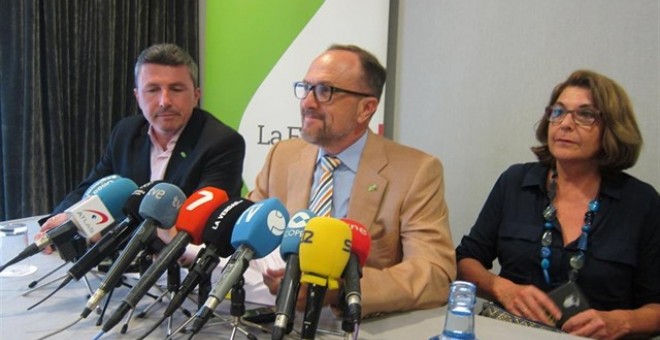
398	194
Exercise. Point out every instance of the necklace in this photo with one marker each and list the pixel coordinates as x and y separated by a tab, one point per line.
550	215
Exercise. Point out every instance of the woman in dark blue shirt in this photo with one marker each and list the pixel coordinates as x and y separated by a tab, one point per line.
574	216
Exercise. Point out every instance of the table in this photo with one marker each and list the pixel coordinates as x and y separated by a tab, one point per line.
65	306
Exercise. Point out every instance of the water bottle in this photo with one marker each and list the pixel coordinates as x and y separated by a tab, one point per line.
459	322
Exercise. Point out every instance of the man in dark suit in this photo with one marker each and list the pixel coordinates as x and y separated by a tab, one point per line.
172	140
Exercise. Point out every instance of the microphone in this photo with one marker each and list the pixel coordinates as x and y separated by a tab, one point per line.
190	223
99	185
112	240
257	233
324	250
288	291
217	238
107	244
360	246
90	216
159	208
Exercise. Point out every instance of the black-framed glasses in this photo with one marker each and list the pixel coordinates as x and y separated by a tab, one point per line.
586	116
322	92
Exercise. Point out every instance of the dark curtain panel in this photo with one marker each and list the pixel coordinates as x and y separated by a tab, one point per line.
66	76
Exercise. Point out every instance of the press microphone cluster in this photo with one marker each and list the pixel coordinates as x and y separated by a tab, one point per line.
108	244
288	292
329	250
99	208
217	238
257	233
324	251
190	223
158	209
113	239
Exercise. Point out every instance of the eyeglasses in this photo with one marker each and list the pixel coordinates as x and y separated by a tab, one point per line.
586	116
322	92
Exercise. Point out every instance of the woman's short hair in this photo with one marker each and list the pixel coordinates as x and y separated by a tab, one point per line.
621	141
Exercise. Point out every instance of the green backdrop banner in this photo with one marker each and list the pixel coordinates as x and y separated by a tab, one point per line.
244	40
254	51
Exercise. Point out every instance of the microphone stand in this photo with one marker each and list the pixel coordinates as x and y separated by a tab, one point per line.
350	323
36	282
237	309
25	293
204	289
143	260
173	284
69	251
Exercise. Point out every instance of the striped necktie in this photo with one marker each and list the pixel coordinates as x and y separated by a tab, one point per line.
321	202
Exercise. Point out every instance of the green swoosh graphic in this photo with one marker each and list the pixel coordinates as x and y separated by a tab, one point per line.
243	42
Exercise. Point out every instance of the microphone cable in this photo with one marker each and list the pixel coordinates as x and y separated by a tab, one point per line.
64	283
60	330
153	328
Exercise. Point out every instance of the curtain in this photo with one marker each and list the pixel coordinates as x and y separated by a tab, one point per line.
66	76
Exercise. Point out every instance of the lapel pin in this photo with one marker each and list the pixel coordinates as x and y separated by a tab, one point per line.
372	187
183	154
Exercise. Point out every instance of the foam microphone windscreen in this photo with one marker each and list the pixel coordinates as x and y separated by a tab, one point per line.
197	209
361	243
324	251
294	230
162	204
131	207
220	226
99	184
115	194
261	227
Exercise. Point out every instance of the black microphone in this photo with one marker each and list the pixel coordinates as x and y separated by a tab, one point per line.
288	292
217	238
190	223
159	208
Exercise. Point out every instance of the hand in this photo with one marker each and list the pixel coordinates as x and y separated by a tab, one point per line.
596	324
273	279
50	223
527	301
166	235
188	257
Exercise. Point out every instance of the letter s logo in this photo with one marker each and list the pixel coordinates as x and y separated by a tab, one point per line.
347	246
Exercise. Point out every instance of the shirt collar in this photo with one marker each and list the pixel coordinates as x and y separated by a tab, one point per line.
170	144
350	157
536	177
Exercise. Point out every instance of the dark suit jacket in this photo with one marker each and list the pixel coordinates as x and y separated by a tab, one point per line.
398	194
208	153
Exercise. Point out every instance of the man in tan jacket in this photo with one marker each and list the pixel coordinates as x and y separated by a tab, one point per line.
395	191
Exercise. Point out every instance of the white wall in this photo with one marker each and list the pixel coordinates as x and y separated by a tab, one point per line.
473	77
